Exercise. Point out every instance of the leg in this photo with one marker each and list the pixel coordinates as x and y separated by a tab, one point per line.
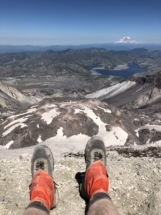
43	193
102	207
35	211
96	183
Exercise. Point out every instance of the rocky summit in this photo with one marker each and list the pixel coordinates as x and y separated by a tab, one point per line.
135	185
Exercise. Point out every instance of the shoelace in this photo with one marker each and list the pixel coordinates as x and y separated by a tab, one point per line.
40	165
98	156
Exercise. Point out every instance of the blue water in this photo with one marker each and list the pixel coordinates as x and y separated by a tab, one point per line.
125	73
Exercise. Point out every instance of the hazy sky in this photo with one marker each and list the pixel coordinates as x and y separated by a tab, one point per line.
56	22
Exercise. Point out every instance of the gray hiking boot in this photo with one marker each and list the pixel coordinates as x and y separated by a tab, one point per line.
94	151
42	159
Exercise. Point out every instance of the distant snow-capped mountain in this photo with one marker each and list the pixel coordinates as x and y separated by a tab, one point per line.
127	40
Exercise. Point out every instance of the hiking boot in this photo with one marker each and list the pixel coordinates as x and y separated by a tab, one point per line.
96	178
95	150
42	159
43	188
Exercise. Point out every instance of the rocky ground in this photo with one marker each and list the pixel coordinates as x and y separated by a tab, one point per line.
135	184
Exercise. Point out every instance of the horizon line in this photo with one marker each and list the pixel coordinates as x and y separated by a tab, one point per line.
112	43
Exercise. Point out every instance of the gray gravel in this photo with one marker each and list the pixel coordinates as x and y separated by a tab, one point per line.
135	185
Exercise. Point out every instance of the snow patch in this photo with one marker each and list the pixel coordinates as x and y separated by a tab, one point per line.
49	116
139	90
112	91
105	110
4	122
22	125
62	144
39	140
8	144
14	124
96	119
48	106
137	133
34	106
20	120
117	136
150	127
31	110
77	110
67	103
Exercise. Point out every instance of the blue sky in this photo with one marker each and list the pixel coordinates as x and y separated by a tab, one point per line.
60	22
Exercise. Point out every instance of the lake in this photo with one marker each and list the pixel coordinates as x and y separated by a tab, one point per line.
125	73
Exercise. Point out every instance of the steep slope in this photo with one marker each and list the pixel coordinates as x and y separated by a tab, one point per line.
139	95
149	92
12	99
137	92
112	91
147	98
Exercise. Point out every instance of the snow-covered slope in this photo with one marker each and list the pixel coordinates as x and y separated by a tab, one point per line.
112	91
68	124
127	40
